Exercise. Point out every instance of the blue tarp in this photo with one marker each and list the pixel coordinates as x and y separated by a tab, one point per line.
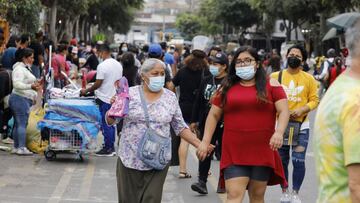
73	114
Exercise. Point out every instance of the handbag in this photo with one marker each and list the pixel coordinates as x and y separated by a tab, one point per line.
120	108
154	149
291	135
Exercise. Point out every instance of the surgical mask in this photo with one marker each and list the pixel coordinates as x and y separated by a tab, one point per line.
246	73
214	70
124	49
156	83
293	62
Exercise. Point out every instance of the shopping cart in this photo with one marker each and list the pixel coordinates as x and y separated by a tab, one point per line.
62	142
70	126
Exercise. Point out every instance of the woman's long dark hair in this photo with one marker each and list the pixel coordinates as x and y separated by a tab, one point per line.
231	79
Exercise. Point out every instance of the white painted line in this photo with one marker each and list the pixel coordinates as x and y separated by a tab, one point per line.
87	181
211	179
62	185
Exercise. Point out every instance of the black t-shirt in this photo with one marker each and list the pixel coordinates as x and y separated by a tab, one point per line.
92	62
189	82
208	86
38	51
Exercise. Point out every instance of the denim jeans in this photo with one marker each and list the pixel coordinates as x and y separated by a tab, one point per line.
298	154
20	107
107	131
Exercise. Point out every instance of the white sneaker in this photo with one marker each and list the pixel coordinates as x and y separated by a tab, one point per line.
23	151
8	141
14	150
295	198
285	198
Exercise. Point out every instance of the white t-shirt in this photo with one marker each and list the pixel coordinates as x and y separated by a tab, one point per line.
109	71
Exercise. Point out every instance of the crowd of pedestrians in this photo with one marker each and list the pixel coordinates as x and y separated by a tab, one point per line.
248	109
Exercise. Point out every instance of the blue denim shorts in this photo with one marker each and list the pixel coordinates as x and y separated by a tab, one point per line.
259	173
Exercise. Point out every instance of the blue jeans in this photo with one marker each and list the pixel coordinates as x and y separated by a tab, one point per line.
298	154
108	131
20	107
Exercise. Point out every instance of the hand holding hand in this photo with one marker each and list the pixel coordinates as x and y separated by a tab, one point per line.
276	141
202	151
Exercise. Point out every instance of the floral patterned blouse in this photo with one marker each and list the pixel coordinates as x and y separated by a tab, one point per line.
163	112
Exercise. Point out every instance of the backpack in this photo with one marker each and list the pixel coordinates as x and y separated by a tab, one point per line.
323	65
120	108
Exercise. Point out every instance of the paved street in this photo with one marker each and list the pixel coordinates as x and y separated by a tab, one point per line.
35	180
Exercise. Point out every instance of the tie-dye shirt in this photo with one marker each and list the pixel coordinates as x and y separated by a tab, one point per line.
337	138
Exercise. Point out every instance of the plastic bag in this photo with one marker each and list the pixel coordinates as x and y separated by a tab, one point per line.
33	135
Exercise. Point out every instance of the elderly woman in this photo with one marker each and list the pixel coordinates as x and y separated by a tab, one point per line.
137	181
22	97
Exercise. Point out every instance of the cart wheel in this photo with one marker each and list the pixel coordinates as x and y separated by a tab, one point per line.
50	155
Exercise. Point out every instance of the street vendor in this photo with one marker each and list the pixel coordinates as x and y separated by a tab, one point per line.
108	71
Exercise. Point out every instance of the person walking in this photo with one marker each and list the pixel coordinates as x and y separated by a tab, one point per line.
137	181
209	85
337	134
188	79
335	71
301	89
250	159
324	69
108	71
25	87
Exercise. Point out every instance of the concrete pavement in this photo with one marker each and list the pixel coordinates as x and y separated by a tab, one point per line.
66	180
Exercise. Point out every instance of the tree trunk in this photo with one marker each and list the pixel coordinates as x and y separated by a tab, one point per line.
296	32
53	13
82	28
77	24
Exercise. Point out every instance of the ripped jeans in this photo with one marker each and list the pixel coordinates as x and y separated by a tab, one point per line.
298	154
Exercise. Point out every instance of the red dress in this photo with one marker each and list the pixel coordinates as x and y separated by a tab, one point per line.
248	127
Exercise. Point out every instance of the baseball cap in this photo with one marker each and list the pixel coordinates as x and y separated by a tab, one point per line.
220	58
155	49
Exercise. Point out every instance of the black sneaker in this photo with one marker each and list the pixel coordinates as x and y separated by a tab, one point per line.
106	152
200	187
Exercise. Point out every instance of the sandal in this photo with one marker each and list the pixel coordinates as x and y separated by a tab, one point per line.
183	175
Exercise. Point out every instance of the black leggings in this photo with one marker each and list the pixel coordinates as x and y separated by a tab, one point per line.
204	166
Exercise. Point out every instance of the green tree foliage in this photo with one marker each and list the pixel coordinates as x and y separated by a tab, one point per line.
238	13
117	14
24	13
189	25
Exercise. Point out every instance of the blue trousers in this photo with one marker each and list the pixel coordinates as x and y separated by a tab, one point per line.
20	107
108	131
298	154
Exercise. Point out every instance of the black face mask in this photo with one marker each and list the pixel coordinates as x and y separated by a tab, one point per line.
293	62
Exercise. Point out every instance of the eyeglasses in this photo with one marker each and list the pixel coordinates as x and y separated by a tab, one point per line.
245	62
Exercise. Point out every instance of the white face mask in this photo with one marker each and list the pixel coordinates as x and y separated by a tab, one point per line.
246	73
124	49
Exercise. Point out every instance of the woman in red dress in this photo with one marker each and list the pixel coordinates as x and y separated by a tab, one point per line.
250	103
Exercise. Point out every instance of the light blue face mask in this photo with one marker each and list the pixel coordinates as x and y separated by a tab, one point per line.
100	60
214	70
246	73
156	83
